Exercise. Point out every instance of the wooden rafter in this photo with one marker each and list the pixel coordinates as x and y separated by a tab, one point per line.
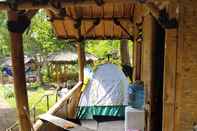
30	5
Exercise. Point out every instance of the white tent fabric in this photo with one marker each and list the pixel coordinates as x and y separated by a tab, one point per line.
108	87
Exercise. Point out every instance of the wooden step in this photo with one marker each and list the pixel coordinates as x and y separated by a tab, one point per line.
62	123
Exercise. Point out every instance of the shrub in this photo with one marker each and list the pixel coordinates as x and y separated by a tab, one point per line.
35	86
8	92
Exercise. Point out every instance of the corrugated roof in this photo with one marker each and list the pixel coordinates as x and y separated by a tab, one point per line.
109	21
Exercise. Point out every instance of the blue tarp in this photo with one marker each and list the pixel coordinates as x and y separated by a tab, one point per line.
7	71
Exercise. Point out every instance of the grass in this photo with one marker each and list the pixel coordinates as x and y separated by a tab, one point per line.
34	95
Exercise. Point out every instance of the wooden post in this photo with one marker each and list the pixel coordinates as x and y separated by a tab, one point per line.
81	59
125	59
74	100
124	52
148	50
138	61
19	75
170	80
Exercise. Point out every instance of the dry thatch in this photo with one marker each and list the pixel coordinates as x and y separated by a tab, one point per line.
69	58
8	61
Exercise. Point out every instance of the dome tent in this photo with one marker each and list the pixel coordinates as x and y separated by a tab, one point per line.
105	95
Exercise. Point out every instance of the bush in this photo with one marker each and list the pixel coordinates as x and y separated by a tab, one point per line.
8	92
35	86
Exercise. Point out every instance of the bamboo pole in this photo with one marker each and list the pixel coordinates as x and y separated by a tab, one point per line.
19	75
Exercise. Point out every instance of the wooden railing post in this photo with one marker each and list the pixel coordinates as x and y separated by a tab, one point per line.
19	75
72	106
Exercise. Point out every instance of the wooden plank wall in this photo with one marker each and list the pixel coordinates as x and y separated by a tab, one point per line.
186	79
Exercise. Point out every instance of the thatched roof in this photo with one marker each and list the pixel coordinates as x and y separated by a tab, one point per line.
8	61
69	58
109	21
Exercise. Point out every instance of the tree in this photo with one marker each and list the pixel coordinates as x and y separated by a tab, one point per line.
102	47
4	36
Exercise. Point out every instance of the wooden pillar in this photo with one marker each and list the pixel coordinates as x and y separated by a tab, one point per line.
138	60
74	100
169	80
19	75
148	67
125	59
138	49
124	52
81	59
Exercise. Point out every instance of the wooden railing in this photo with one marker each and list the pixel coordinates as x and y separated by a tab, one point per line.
58	105
34	107
33	110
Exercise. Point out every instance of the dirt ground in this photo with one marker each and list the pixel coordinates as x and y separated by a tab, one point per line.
7	115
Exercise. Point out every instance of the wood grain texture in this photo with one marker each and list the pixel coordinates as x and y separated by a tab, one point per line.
170	80
106	29
147	65
17	54
186	81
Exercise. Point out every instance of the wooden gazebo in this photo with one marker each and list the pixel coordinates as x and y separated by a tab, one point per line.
58	65
165	57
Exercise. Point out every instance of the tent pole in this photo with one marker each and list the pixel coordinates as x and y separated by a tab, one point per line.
19	75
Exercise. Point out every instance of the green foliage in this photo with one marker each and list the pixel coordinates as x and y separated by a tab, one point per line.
40	38
33	96
102	47
34	86
8	92
4	36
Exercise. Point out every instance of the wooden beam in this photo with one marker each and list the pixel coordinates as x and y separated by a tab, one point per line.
64	3
31	13
19	75
55	108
